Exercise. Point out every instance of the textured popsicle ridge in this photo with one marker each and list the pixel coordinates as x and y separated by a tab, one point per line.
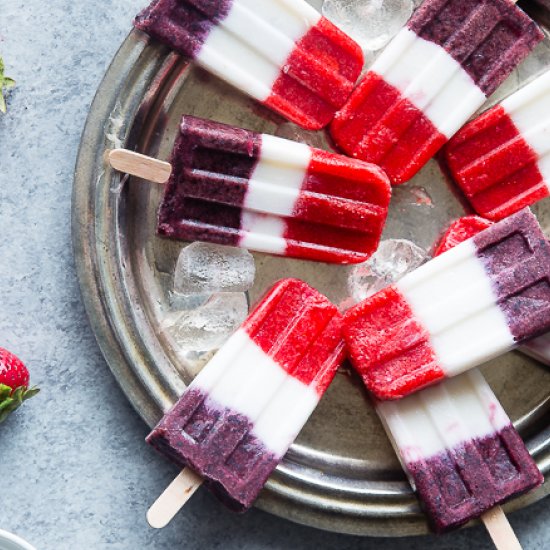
334	192
516	256
496	169
242	412
380	125
318	77
459	449
283	54
301	331
468	305
501	160
240	188
462	483
202	149
389	347
489	38
217	443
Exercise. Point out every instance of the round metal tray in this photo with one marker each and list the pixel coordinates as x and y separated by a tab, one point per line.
341	474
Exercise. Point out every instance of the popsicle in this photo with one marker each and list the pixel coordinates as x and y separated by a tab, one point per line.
465	228
459	231
239	416
471	304
437	71
236	187
501	160
459	449
282	53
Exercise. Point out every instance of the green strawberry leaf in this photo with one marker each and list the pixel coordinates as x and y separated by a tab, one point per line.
11	399
7	403
5	84
5	392
28	393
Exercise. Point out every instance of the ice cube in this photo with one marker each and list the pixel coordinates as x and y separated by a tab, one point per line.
184	302
195	361
207	327
393	259
372	23
205	268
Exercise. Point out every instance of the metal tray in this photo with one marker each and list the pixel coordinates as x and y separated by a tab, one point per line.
341	474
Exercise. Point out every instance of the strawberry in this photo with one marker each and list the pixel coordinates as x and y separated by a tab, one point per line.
14	382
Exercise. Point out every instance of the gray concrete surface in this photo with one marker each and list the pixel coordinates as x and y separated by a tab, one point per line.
74	471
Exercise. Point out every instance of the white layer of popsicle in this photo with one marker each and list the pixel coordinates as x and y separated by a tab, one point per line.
274	187
243	378
431	79
248	49
529	109
453	298
442	417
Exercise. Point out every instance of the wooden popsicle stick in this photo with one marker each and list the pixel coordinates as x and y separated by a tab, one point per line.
139	165
173	498
501	531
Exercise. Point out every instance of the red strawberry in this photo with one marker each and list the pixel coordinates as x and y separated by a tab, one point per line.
14	382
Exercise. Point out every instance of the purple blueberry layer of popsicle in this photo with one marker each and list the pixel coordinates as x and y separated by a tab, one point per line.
465	482
232	153
182	26
516	257
487	37
217	444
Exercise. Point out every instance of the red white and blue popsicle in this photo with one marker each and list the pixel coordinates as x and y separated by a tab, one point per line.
501	160
459	449
472	303
282	53
240	415
438	70
236	187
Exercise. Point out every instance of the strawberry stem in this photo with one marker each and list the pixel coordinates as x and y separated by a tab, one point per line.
11	399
